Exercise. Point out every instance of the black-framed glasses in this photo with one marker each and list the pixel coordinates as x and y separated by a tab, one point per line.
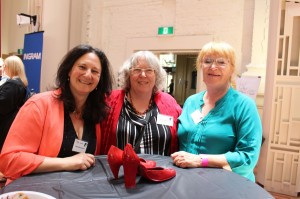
219	62
139	71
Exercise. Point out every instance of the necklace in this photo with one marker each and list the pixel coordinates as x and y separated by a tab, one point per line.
135	110
77	114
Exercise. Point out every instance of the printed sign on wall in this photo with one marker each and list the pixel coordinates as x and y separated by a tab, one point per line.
32	58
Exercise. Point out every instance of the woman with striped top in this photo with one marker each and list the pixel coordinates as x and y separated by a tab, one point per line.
141	114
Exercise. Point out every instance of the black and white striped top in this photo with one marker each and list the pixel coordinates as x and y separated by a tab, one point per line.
132	128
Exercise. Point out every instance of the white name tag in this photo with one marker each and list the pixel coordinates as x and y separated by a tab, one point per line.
79	146
197	116
165	120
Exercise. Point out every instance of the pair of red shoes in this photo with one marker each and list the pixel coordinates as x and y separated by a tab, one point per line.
132	165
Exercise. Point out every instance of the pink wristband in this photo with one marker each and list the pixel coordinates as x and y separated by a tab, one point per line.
204	161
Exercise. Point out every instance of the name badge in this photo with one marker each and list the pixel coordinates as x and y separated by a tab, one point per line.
79	146
165	120
197	116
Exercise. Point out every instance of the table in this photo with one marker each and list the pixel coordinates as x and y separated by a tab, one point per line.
98	182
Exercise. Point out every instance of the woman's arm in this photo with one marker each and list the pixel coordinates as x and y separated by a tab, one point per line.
81	161
249	135
34	135
184	159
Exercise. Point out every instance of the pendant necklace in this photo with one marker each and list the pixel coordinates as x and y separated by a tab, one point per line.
135	110
77	114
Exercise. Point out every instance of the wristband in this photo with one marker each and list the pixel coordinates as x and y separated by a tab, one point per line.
204	161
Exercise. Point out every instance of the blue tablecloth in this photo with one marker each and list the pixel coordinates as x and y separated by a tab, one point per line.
98	182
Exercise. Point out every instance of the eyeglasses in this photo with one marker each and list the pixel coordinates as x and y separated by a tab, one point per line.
138	71
220	62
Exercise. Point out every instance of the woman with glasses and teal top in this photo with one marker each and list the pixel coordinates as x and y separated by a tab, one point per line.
219	127
141	114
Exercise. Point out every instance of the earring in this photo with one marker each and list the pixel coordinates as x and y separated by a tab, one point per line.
68	79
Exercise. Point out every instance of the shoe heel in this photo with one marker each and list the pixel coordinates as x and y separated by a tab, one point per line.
130	164
115	160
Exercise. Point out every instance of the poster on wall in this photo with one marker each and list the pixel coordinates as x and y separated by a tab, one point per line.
32	58
248	85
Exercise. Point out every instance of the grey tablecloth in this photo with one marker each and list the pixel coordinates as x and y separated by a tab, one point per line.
98	182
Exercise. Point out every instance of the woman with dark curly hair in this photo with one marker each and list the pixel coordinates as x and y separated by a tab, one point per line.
59	130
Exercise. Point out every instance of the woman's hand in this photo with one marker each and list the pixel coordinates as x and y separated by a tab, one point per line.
80	161
184	159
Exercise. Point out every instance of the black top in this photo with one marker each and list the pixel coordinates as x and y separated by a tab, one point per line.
142	131
89	135
12	97
171	87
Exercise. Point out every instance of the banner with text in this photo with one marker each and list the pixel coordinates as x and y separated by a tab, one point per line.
32	58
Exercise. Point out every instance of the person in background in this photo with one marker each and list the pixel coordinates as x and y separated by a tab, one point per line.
141	114
1	68
12	93
59	130
13	84
171	87
219	127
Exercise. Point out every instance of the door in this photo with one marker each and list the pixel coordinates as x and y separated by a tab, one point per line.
185	78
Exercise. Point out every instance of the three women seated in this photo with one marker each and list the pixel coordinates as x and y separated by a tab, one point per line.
217	127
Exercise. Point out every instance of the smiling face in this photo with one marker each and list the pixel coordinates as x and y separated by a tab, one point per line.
216	74
85	74
144	81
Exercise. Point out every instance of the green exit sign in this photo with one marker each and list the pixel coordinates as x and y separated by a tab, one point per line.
165	30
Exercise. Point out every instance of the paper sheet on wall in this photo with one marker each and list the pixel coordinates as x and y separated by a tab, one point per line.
23	20
248	85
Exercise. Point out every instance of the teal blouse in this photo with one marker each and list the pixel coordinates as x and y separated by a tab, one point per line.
233	128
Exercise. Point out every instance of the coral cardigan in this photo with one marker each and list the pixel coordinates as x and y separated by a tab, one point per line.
36	133
166	104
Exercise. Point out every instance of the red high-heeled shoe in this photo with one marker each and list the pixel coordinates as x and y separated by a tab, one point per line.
130	164
115	160
157	174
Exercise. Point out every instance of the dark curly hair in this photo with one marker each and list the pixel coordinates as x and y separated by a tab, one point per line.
95	108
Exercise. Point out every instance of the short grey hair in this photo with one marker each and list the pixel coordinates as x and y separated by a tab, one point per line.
152	61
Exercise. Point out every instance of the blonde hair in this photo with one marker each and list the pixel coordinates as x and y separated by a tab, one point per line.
218	48
14	67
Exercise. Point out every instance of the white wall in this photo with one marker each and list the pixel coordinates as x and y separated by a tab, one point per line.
59	35
12	35
56	16
126	21
114	26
